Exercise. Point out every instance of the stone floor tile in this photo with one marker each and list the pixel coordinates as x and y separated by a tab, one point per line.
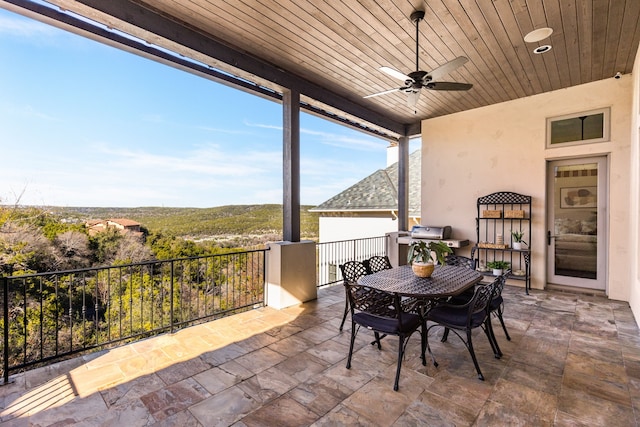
519	399
497	414
99	378
256	342
302	366
150	362
261	359
108	357
237	370
180	419
291	345
268	385
448	386
433	410
73	411
318	334
282	412
36	377
378	402
342	416
320	394
174	398
305	321
57	392
132	413
594	410
330	351
222	355
215	380
132	389
351	378
534	377
224	408
177	372
283	331
597	347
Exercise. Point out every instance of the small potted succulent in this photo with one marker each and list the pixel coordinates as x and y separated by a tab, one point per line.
518	243
498	267
420	256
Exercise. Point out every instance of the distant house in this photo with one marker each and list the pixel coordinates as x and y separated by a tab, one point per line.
369	208
121	224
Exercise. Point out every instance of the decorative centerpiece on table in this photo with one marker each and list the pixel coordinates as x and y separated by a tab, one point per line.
420	256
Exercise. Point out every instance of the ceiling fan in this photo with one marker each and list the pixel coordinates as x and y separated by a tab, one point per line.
416	80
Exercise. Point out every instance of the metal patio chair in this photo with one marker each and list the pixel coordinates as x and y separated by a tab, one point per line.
351	272
462	319
377	263
382	313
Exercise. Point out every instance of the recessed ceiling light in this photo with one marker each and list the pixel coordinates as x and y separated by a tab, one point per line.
542	49
537	35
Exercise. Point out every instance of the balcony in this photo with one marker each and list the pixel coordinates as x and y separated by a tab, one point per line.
573	359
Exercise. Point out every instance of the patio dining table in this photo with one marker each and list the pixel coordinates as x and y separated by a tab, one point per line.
445	281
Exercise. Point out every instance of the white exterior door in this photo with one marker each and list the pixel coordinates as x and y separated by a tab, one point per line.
577	222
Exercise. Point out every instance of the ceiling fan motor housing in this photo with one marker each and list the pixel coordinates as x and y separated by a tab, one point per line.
417	16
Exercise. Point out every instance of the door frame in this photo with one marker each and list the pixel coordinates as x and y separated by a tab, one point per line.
601	282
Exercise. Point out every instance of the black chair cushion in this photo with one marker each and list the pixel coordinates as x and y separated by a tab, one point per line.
495	303
455	317
408	322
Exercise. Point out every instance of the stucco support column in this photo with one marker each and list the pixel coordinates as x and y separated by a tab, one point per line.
291	273
403	183
291	264
291	166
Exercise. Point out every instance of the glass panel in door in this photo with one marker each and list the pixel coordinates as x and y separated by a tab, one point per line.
576	222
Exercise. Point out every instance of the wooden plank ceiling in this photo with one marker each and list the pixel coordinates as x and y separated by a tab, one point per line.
339	45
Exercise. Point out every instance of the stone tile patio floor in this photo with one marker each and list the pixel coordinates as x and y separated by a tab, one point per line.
573	360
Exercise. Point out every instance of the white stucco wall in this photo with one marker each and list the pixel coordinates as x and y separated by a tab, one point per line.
634	191
333	229
502	148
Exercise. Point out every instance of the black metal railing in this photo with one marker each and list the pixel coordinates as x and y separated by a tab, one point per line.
50	316
330	255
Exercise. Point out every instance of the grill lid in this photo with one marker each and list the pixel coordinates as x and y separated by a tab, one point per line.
431	232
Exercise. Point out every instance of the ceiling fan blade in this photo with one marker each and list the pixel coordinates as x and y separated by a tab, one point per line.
396	74
448	86
384	92
447	68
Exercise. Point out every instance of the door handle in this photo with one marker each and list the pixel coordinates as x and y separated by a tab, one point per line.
549	237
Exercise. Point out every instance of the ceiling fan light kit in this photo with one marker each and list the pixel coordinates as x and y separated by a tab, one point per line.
416	80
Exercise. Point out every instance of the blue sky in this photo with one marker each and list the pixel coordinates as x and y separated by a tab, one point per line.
85	124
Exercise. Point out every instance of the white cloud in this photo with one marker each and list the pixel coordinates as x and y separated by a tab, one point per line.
25	28
27	111
332	138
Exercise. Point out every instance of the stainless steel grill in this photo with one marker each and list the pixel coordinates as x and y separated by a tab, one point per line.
433	233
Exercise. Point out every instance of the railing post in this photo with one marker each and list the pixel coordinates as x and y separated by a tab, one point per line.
171	298
5	316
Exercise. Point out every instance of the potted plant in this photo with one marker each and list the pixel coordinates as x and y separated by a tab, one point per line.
420	256
518	243
498	267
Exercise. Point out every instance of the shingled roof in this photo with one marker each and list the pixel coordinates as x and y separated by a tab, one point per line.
378	192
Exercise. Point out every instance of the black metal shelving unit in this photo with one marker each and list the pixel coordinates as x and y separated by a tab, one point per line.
499	214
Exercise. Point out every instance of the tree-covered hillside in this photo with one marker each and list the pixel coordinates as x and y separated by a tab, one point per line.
54	238
197	223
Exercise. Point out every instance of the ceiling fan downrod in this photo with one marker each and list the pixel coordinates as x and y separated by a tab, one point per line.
416	17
